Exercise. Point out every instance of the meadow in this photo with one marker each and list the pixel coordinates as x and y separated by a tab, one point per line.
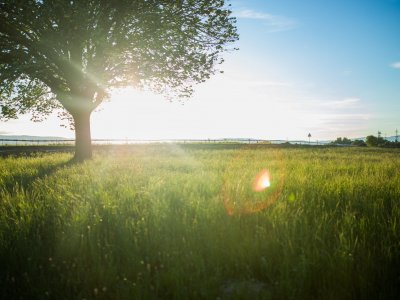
176	221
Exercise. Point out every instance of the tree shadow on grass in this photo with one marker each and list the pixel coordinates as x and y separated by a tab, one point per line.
29	233
24	181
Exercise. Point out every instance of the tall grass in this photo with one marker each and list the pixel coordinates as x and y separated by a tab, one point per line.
170	222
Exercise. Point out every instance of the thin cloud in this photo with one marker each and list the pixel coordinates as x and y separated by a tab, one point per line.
274	22
342	104
396	65
349	118
267	83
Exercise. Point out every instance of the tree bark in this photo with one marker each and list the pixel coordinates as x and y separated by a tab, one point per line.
83	140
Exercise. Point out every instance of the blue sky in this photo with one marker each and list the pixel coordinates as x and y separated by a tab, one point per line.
341	55
328	67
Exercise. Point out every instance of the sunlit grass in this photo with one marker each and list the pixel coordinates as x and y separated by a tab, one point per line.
177	222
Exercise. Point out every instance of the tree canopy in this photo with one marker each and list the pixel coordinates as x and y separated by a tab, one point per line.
69	54
374	141
342	141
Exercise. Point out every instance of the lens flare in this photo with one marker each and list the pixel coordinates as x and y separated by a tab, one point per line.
253	179
262	181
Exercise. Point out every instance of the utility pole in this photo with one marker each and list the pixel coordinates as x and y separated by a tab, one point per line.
396	139
309	138
379	134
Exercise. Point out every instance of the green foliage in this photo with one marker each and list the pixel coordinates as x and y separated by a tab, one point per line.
76	51
342	141
373	141
359	143
24	95
148	222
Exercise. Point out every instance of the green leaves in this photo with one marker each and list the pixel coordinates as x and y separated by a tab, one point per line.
24	95
83	48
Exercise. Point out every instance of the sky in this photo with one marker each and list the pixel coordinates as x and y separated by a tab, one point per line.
330	68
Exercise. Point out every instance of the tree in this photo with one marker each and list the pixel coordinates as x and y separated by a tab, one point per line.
342	141
69	54
371	141
359	143
374	141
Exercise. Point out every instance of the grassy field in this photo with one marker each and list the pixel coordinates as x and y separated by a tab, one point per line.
183	222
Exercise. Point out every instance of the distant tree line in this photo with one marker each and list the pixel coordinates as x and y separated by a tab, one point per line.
370	141
374	141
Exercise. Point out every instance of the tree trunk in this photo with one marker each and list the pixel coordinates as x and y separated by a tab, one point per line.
83	140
